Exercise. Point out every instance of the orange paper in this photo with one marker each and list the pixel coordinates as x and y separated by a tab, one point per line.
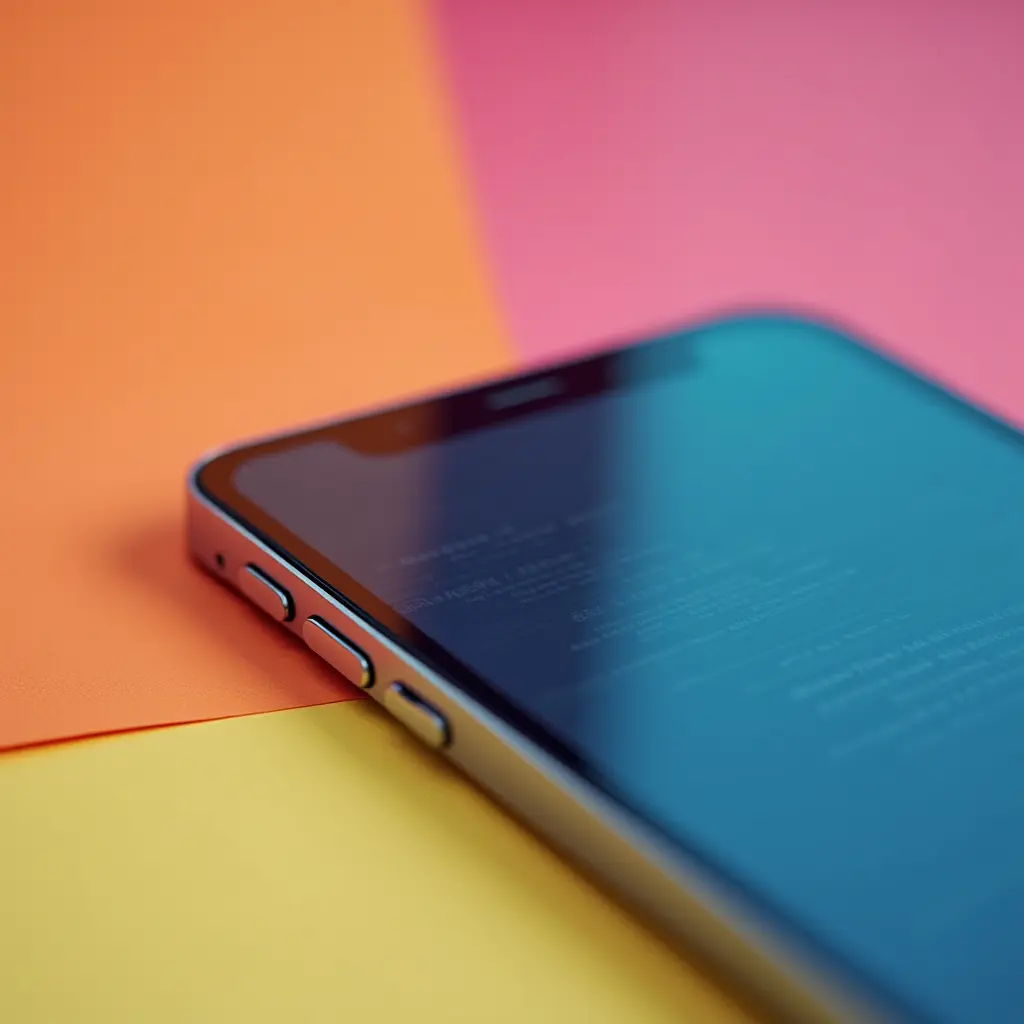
217	219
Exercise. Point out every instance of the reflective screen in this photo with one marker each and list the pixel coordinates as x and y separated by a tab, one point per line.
775	595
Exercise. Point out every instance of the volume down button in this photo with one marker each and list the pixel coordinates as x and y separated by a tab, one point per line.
417	715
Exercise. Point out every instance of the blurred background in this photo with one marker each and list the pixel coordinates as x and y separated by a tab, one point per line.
220	218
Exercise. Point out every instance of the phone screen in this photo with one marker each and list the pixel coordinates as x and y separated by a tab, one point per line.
774	596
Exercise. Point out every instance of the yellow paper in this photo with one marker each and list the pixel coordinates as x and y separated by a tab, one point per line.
310	865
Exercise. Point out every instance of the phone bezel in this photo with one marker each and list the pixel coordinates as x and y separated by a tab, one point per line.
432	419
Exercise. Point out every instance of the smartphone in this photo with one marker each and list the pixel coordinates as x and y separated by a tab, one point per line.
734	616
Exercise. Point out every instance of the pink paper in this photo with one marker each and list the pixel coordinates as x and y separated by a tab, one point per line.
641	162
